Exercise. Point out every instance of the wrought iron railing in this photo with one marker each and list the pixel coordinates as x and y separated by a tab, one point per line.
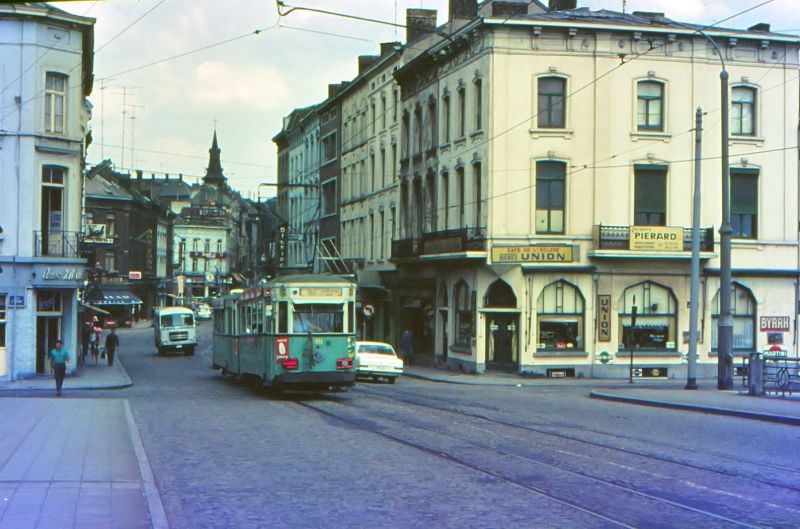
438	242
56	243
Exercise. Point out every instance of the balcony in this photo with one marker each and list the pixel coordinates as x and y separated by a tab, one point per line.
456	244
648	241
56	243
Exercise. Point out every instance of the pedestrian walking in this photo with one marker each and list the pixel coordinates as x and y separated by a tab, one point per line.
59	360
112	344
407	346
86	332
94	342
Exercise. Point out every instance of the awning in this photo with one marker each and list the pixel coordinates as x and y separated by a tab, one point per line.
119	297
87	306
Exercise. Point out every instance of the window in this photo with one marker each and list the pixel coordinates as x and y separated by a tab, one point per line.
329	147
111	225
432	122
396	106
393	221
551	111
54	102
393	162
382	235
3	320
446	118
461	197
317	317
650	196
372	173
48	301
418	129
382	162
476	168
195	245
656	321
110	261
743	310
52	242
372	236
329	198
743	111
444	203
207	246
383	111
550	178
406	135
374	117
478	104
462	112
219	245
744	203
194	264
650	100
464	320
560	312
430	202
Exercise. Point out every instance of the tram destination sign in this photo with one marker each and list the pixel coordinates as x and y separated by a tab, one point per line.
656	238
774	323
557	253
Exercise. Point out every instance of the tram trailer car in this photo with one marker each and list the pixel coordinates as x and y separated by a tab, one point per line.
296	332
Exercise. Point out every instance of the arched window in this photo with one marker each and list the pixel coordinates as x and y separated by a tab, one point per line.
650	100
464	314
656	318
500	295
743	310
560	313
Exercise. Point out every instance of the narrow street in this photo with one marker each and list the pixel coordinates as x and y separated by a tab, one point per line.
421	454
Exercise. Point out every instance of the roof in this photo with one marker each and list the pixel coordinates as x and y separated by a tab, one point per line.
641	19
101	188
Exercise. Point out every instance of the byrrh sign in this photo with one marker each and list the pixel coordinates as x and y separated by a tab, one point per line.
774	323
656	238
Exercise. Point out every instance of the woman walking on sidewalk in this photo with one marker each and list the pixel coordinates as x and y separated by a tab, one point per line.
59	358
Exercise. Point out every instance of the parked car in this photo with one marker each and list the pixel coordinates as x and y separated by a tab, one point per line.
377	360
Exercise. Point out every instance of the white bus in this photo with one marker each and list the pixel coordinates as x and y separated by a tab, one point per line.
175	330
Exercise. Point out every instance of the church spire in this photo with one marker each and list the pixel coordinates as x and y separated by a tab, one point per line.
214	174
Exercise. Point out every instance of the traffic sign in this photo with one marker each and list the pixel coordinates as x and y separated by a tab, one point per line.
368	311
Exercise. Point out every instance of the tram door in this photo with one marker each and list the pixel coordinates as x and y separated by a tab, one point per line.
501	341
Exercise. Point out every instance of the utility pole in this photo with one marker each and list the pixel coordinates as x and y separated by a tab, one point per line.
133	131
102	117
691	376
725	329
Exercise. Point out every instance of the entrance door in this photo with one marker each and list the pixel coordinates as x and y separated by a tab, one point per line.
445	339
501	341
48	330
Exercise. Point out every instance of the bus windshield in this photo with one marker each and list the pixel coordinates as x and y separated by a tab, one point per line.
318	317
176	320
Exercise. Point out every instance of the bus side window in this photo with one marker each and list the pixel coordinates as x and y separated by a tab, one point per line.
283	317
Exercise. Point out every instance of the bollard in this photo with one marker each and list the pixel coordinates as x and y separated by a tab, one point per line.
755	375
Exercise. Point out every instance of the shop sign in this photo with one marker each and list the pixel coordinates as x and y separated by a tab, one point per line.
774	323
532	254
656	238
603	318
134	274
63	274
16	302
283	245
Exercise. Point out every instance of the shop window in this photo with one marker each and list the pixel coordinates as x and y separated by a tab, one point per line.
560	313
743	310
744	203
550	177
650	196
656	322
464	314
3	320
48	301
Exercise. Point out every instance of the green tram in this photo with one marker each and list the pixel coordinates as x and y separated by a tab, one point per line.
294	332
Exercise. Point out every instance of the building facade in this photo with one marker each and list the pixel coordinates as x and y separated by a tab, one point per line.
555	215
47	57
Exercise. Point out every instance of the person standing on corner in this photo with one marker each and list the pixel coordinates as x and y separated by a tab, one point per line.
59	359
112	344
407	345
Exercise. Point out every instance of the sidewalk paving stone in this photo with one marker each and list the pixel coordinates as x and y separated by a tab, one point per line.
88	377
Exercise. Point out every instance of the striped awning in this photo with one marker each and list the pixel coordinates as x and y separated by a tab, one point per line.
119	297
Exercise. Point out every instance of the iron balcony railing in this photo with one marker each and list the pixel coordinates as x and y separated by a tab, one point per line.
59	243
619	237
441	242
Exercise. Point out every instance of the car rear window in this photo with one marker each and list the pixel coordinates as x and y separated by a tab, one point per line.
377	349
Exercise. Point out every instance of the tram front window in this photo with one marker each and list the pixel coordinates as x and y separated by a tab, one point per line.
318	317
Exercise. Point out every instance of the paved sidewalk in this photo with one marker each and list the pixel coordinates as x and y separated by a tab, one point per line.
89	376
74	464
709	400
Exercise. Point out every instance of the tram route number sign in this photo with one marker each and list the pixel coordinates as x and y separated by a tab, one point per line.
282	348
368	310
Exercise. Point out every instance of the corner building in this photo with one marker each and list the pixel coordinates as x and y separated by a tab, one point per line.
546	190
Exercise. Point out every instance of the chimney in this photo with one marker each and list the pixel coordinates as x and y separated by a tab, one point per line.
761	26
388	47
562	5
365	61
465	9
139	174
506	9
152	176
419	23
180	177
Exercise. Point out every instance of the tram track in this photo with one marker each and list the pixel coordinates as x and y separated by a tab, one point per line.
604	487
430	404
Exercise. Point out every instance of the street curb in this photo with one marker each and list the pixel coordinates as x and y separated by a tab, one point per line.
462	383
754	415
158	517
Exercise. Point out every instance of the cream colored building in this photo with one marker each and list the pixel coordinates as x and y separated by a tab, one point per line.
557	195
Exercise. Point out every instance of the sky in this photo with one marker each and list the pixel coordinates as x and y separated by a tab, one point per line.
164	114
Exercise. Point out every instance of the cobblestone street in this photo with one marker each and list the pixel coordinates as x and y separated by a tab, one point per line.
423	454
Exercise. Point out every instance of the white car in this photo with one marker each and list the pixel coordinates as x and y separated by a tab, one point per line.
377	360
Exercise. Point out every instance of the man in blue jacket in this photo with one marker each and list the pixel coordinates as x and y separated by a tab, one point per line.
59	358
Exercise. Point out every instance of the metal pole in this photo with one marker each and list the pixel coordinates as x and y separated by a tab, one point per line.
691	376
632	339
725	329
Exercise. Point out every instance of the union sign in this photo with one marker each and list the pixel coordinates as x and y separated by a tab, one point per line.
559	253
